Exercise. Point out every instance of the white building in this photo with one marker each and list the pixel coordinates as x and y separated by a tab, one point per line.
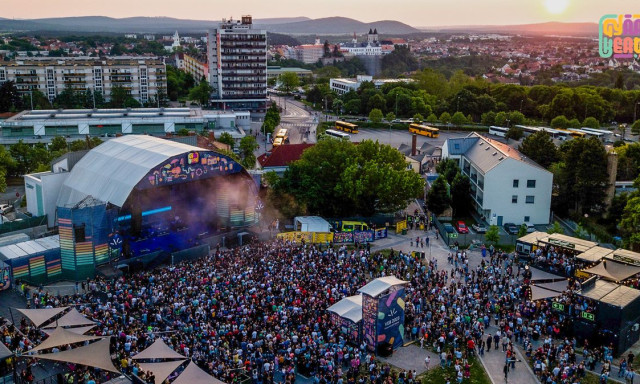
506	187
142	77
43	125
237	56
371	47
342	86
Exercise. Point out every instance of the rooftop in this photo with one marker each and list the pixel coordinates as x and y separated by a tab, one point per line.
283	155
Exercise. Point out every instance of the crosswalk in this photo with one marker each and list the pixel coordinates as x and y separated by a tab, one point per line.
303	125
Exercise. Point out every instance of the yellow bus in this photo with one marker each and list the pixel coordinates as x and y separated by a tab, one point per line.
572	133
346	127
350	226
281	137
424	130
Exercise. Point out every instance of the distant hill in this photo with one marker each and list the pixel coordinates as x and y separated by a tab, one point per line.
549	28
340	26
97	24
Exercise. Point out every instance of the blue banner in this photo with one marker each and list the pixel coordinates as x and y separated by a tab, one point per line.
390	325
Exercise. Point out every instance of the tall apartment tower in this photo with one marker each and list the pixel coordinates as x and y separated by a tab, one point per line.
237	55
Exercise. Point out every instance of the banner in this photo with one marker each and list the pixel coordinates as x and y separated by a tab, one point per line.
369	316
390	324
308	237
343	237
400	225
381	233
363	236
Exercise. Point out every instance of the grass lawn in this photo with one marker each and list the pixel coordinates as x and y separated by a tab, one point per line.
439	375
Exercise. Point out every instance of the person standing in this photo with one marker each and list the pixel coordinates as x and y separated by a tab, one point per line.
489	340
427	360
505	369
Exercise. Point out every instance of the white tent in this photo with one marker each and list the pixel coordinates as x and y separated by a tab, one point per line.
349	308
378	286
71	319
158	350
95	355
60	337
161	370
194	375
40	316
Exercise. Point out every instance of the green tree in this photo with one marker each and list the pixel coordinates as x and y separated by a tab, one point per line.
10	99
501	119
458	119
555	228
183	132
3	180
630	223
248	145
560	122
460	191
514	133
574	123
352	107
488	118
448	168
516	118
390	117
445	118
493	234
226	138
432	118
522	230
540	148
201	93
375	115
77	145
119	96
438	198
635	127
417	118
591	122
289	81
584	177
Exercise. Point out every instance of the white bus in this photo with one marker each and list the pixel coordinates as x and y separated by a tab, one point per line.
498	131
606	135
337	134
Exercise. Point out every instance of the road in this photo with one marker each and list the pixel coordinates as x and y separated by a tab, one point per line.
298	119
397	137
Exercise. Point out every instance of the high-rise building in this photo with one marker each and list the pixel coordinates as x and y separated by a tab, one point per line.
237	55
141	77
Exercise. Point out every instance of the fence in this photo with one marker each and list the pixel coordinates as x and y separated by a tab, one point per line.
23	224
190	254
466	239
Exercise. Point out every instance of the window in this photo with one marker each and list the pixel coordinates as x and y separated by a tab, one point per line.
79	233
526	219
530	199
516	182
531	183
514	199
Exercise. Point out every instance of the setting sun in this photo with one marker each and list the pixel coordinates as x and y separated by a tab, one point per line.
556	6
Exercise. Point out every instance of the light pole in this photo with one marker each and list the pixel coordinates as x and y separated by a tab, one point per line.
521	101
31	95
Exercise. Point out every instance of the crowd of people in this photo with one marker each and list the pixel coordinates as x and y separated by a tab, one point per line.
259	312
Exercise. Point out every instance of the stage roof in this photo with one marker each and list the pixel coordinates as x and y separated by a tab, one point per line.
110	171
594	254
611	270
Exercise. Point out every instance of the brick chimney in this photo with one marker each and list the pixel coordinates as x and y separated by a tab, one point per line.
414	143
212	136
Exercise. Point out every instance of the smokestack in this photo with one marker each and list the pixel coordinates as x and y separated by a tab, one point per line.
414	143
212	136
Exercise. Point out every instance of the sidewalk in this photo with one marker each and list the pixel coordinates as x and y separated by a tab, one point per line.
494	361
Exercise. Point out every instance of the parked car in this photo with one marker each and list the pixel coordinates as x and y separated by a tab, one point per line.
449	228
511	228
4	208
531	228
462	227
479	228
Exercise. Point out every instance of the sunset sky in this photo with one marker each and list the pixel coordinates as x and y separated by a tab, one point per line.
413	12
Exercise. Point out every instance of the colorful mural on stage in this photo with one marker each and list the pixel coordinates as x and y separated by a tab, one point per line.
390	324
188	167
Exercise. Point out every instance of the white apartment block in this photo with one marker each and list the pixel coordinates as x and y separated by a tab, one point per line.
142	77
342	86
506	187
197	66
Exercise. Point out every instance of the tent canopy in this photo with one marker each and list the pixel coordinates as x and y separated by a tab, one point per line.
70	319
594	254
540	275
378	286
347	305
4	351
78	330
60	337
40	316
93	355
161	370
557	286
194	375
539	293
158	350
611	270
